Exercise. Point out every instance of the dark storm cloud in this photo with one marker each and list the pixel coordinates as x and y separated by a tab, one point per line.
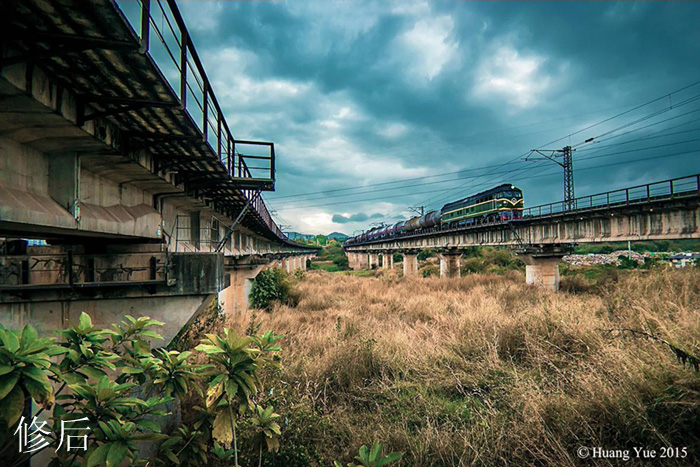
357	92
359	217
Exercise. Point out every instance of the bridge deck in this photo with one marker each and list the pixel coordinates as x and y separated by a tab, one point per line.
669	196
90	49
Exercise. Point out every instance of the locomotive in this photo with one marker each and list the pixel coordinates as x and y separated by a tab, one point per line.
502	203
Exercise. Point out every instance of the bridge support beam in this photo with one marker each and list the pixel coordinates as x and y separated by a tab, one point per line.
373	260
450	263
389	258
542	271
410	264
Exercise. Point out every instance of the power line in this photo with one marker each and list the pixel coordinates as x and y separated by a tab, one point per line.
390	189
515	179
494	167
438	146
624	113
656	113
359	187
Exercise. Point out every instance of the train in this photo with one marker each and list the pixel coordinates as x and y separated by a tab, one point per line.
501	203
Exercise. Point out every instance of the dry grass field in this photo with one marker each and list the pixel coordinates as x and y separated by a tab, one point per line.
484	370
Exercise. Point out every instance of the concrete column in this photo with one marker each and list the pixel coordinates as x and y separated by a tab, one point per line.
389	260
355	262
303	262
362	261
542	271
373	259
450	263
410	264
235	296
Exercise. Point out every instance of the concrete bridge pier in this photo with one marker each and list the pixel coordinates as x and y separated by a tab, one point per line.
410	264
363	260
373	260
450	263
542	270
389	260
234	298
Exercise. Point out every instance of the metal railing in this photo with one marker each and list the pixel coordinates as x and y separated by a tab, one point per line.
175	55
657	191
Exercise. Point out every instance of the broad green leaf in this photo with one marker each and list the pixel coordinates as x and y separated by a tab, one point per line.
10	340
40	393
7	383
374	452
5	369
99	455
93	372
11	407
152	334
394	456
209	348
116	454
150	424
173	458
37	375
29	335
85	322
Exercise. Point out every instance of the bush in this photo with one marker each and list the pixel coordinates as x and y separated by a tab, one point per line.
120	389
430	270
425	254
269	286
342	262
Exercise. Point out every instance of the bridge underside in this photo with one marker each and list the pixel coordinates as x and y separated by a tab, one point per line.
148	208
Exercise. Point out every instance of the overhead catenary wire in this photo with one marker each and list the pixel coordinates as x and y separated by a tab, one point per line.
605	136
653	114
517	178
432	145
362	187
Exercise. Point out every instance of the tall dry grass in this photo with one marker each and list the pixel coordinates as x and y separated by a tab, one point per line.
485	370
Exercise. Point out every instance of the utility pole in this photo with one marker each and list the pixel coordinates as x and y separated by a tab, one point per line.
417	210
567	163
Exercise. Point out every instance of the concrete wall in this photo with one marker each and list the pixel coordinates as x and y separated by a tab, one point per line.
174	311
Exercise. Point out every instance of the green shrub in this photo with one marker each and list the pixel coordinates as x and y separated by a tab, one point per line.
430	270
269	286
425	254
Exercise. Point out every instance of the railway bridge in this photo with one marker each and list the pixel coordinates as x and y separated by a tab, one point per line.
657	211
122	187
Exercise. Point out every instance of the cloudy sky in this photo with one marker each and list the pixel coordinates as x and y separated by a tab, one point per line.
376	106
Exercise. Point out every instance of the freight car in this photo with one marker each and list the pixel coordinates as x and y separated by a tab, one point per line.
502	203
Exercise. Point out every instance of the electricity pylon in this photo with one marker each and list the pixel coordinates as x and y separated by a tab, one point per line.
567	163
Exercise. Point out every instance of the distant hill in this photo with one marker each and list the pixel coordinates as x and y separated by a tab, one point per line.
296	235
338	235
